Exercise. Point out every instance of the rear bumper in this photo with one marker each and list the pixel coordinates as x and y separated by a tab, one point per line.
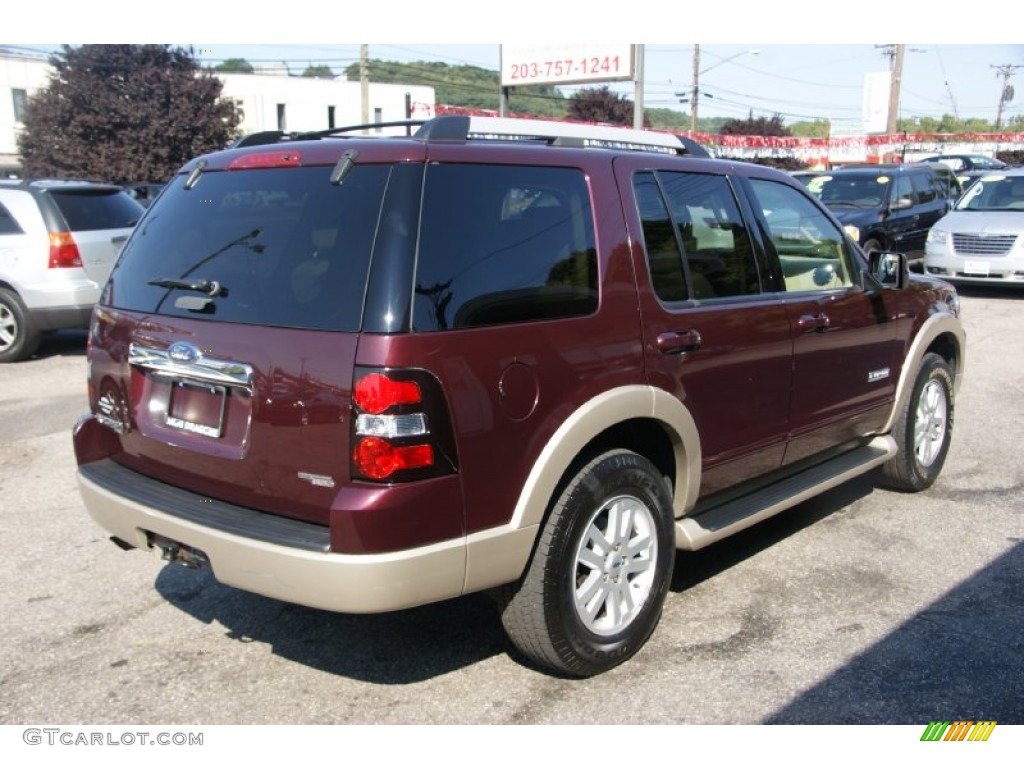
297	572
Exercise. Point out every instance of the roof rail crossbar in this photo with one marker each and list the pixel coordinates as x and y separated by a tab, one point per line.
273	137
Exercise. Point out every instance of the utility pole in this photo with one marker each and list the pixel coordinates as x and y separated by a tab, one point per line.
638	88
695	93
1006	92
894	88
364	83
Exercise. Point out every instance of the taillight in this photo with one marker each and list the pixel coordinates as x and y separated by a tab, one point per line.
378	459
401	429
64	251
376	393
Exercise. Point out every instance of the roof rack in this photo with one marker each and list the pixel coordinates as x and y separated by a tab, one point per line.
464	127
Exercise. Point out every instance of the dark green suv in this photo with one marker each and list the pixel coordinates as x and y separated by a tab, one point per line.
889	207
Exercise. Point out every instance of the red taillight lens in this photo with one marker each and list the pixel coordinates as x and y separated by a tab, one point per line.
284	159
376	393
379	459
64	251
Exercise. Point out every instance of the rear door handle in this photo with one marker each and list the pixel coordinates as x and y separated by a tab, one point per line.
678	342
812	323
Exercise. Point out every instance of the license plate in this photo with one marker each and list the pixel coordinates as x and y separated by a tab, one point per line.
976	268
197	408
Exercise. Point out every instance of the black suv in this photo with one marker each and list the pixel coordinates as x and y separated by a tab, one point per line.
363	374
889	207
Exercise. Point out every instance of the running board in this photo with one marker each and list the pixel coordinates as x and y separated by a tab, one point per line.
719	522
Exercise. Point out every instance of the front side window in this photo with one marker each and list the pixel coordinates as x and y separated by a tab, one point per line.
811	249
925	186
503	244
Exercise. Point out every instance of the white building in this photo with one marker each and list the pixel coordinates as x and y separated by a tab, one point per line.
269	102
272	102
20	77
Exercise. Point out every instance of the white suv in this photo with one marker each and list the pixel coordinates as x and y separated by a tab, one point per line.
58	242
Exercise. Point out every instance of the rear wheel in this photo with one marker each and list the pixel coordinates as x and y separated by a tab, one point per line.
594	589
923	429
19	337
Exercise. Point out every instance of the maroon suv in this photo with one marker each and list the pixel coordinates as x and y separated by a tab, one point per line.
367	373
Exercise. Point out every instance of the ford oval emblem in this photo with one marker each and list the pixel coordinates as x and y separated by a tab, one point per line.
183	352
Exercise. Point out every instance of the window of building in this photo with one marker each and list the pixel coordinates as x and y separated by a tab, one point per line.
19	96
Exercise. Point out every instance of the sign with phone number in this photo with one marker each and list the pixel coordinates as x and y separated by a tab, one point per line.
581	63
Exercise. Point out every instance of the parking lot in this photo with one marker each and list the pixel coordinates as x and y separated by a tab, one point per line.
861	606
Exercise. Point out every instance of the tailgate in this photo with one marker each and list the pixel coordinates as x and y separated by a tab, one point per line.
254	416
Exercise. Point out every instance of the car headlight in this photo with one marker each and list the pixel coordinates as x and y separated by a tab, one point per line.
937	236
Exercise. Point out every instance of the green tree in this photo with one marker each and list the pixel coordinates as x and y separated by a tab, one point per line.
816	129
465	86
124	113
318	70
235	65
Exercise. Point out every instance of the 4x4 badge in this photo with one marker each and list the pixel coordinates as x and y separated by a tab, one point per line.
183	352
881	373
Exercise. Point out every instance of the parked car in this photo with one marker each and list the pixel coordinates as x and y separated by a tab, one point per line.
58	243
144	192
890	207
981	241
807	177
960	163
363	374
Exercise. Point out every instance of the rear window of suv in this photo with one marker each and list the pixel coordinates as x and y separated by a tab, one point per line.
287	248
87	210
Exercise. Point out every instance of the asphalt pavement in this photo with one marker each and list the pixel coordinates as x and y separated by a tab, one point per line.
862	606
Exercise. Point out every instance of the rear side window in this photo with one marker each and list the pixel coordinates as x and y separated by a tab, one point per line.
287	248
87	210
698	212
504	244
8	225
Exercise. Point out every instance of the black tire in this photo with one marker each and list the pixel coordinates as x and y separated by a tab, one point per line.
871	246
923	429
19	336
541	615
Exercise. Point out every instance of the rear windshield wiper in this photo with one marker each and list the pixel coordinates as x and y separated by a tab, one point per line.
211	287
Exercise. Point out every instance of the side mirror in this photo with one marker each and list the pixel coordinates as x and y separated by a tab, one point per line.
901	203
890	270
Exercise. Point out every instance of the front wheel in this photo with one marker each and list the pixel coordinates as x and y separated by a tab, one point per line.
594	590
871	246
923	429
